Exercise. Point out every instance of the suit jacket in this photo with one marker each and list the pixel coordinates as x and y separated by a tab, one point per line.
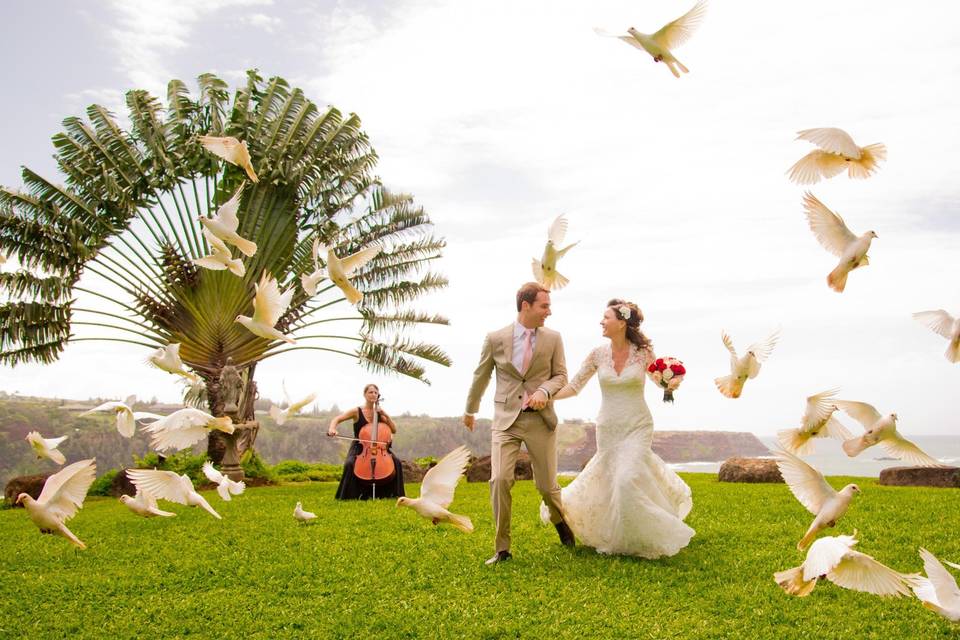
548	369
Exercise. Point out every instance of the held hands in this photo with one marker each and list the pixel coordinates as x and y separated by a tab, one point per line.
538	400
468	421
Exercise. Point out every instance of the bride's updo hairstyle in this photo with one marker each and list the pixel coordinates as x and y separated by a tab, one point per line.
634	334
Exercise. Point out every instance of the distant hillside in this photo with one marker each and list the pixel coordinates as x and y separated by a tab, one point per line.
304	438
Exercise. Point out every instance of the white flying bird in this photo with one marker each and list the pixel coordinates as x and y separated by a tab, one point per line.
46	447
293	408
126	416
835	559
167	485
837	152
168	359
220	257
942	323
303	516
338	270
670	36
184	428
817	422
231	150
225	223
61	498
814	492
225	486
746	367
145	505
268	305
545	269
882	430
938	591
437	488
832	233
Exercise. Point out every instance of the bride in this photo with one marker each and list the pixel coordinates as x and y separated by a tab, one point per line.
626	501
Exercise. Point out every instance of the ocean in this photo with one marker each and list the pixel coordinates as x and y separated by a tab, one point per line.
832	461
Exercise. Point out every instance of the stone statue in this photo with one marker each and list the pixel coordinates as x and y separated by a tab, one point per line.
231	386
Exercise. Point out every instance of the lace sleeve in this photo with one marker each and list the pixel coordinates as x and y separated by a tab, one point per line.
587	369
646	356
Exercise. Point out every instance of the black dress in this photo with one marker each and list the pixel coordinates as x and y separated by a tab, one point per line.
353	488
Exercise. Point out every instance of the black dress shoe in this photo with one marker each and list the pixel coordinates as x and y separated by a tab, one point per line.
499	556
566	535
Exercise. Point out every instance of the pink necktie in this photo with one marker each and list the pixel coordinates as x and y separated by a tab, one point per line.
527	357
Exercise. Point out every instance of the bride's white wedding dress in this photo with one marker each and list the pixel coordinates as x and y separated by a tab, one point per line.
626	501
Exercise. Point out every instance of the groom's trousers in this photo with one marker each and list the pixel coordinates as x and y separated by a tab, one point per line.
530	429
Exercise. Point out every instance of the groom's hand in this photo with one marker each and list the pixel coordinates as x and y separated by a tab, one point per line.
468	421
538	400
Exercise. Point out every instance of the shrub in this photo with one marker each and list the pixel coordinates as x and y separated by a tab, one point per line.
254	466
426	462
290	467
102	485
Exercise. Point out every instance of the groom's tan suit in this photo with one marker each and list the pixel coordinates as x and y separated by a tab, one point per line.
512	425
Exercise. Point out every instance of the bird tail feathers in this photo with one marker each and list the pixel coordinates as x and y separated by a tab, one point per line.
246	247
837	280
795	441
807	539
66	533
353	296
730	386
57	456
554	281
462	523
793	583
209	263
870	157
854	446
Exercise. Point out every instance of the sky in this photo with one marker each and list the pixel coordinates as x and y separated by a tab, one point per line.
500	115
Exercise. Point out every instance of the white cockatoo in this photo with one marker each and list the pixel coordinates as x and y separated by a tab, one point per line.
882	430
814	492
338	270
145	504
46	447
60	499
670	36
835	559
168	359
837	152
301	515
225	486
231	150
943	324
268	305
832	233
220	257
938	591
545	269
746	367
184	428
126	418
817	422
293	408
167	485
225	223
436	491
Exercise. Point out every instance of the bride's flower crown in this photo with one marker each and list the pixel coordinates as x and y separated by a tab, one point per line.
625	312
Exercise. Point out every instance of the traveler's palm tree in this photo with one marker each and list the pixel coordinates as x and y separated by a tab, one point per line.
111	250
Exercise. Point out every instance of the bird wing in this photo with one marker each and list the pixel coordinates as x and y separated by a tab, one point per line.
557	231
831	139
162	484
296	406
673	34
944	584
217	246
828	227
819	408
286	396
177	438
898	446
354	261
106	406
862	412
440	482
180	419
825	554
212	474
64	491
806	483
227	213
728	343
268	303
938	321
815	165
861	572
762	350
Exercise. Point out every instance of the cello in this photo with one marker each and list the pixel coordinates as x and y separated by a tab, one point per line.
374	462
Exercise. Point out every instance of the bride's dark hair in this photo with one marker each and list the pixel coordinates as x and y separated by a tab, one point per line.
634	334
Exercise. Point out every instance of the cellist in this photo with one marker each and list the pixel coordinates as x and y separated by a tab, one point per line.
351	487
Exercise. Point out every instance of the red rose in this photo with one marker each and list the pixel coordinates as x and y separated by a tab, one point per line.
677	369
661	365
652	367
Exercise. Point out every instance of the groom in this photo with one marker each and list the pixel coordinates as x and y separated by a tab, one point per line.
530	369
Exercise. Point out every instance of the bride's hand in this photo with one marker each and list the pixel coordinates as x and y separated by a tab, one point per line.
538	400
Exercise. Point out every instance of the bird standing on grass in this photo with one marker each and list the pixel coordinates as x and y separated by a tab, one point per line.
301	515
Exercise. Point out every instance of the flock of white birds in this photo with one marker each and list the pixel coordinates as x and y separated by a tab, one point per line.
833	558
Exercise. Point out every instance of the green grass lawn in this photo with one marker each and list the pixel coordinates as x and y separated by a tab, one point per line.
370	568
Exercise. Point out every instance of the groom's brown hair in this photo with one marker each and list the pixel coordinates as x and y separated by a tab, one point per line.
528	293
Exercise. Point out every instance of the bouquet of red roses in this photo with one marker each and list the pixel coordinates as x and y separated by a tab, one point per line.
667	373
